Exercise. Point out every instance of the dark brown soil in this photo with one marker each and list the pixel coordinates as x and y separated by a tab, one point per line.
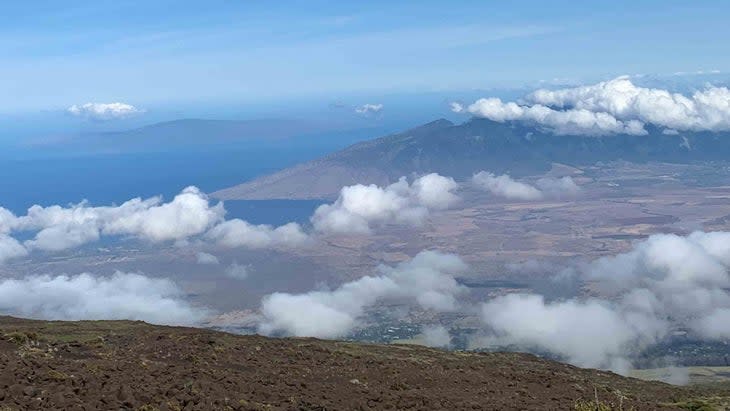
114	365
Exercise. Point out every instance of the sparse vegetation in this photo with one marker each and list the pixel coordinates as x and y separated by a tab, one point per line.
596	404
143	367
696	405
20	338
57	375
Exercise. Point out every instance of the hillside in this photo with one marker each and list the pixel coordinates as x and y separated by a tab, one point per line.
461	150
133	365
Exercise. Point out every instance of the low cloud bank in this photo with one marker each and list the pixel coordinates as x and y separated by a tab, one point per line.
611	107
59	228
359	206
104	111
189	215
505	186
427	280
87	297
240	233
436	336
665	283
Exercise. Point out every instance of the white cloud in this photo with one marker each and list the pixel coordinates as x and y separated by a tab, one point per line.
60	228
86	297
359	206
436	336
558	187
665	282
714	325
104	111
240	233
588	333
611	107
426	280
568	122
10	248
435	192
237	271
188	214
369	109
505	186
206	259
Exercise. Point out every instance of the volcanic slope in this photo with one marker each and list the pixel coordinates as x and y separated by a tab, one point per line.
133	365
461	150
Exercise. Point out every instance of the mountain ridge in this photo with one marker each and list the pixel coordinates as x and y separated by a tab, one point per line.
461	150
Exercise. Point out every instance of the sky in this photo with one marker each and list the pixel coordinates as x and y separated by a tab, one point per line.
171	53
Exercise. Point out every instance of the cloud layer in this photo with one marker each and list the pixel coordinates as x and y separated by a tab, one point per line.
239	233
59	228
505	186
188	215
191	216
86	297
103	111
611	107
360	206
667	282
426	280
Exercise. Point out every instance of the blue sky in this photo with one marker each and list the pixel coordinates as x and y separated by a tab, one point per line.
172	53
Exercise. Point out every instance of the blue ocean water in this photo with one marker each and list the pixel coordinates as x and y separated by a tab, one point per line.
27	178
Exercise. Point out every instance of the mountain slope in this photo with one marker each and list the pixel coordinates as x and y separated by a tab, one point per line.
461	150
200	134
133	365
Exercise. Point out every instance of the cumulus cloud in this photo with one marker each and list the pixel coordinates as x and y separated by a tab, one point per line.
86	297
190	214
103	111
568	122
588	333
505	186
359	206
237	271
10	248
426	280
240	233
664	283
611	107
59	228
369	109
206	259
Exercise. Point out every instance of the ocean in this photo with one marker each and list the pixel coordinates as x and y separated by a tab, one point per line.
28	178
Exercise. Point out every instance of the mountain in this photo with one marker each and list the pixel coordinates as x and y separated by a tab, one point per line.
479	144
206	134
136	366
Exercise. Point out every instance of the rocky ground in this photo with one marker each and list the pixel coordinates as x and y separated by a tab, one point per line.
114	365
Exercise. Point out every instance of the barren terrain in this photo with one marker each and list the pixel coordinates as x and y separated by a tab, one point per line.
132	365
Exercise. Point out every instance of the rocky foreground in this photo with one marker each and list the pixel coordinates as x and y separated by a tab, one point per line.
114	365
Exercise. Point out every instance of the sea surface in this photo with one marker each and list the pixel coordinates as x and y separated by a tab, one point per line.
28	178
